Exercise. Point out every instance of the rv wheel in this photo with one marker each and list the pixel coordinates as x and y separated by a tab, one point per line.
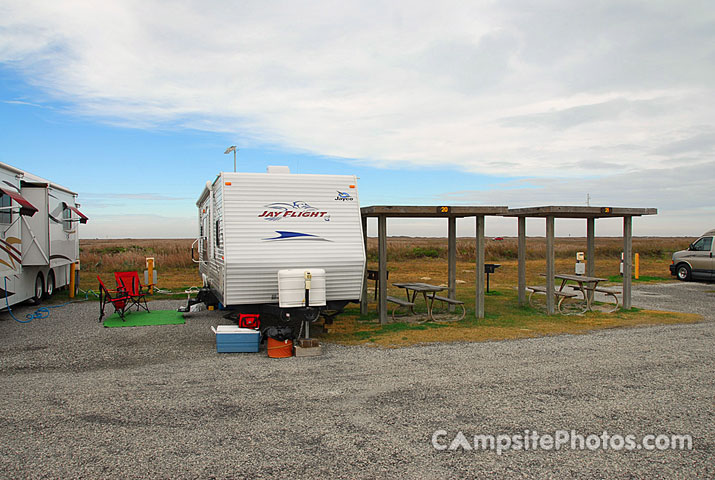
39	290
50	284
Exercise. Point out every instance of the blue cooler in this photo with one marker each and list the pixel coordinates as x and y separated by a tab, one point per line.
231	339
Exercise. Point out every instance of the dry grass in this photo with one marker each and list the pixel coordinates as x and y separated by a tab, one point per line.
504	318
130	254
423	259
506	325
172	259
402	248
176	270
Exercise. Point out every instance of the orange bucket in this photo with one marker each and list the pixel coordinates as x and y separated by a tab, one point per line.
279	349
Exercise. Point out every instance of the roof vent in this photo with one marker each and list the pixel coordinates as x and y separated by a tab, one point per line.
278	169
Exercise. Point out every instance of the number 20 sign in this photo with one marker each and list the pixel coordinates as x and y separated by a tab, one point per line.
443	209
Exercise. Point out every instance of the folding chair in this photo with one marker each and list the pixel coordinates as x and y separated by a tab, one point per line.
120	301
129	283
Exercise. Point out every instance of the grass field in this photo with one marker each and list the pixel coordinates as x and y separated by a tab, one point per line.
177	271
424	259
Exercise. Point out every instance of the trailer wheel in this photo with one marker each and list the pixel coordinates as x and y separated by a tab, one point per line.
39	290
50	289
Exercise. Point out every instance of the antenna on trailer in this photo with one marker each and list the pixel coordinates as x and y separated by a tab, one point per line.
234	149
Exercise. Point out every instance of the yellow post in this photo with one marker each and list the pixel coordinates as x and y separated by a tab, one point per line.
637	266
150	274
72	274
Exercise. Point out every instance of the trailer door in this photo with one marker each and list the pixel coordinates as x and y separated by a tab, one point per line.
36	230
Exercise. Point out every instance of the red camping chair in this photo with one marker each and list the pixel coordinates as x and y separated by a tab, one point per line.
120	301
129	283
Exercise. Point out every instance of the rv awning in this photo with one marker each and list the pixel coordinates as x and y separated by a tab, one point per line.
26	208
82	217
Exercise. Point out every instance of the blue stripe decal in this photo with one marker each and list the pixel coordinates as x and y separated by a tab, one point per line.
282	235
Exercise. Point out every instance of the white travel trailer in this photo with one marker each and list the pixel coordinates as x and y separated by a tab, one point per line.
254	225
39	238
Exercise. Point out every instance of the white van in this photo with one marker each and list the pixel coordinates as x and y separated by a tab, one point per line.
697	262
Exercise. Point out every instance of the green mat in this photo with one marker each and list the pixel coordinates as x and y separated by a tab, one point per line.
142	318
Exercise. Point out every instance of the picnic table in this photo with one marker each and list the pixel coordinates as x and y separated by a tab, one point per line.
412	289
591	283
586	285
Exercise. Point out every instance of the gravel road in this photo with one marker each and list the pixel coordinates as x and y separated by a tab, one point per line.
79	400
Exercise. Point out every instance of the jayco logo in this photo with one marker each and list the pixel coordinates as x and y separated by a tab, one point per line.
344	197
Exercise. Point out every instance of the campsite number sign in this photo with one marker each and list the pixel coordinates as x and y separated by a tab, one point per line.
443	209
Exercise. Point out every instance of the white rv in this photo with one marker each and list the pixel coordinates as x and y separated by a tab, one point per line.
39	241
253	225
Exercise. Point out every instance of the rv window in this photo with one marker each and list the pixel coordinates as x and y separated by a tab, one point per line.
218	233
66	218
5	212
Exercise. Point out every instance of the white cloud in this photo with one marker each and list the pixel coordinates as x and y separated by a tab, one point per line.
139	226
609	98
559	88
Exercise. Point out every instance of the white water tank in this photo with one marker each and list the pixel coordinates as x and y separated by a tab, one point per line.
292	285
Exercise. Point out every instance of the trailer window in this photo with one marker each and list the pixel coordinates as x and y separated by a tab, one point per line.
218	233
5	212
66	218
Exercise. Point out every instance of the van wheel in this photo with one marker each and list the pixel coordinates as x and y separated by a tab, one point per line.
683	272
50	284
39	290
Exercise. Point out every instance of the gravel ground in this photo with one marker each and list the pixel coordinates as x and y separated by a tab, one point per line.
79	400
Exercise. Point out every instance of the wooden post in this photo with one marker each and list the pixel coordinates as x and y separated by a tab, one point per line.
363	295
550	265
627	260
382	274
522	261
637	266
590	251
452	259
479	287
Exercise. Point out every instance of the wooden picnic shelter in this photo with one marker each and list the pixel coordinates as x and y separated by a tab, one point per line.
590	214
382	212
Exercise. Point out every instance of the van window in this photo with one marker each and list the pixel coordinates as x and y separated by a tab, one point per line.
5	212
705	244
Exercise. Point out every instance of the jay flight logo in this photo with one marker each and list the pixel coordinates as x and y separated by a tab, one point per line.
299	209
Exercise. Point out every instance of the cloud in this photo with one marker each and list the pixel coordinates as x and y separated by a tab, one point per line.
139	226
560	88
682	195
20	102
132	196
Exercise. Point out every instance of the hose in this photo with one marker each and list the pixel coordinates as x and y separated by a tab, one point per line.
190	290
42	312
7	303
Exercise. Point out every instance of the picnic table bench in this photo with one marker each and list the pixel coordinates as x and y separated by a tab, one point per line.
542	289
607	291
399	303
451	301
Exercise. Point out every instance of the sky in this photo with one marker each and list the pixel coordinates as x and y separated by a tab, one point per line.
132	104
